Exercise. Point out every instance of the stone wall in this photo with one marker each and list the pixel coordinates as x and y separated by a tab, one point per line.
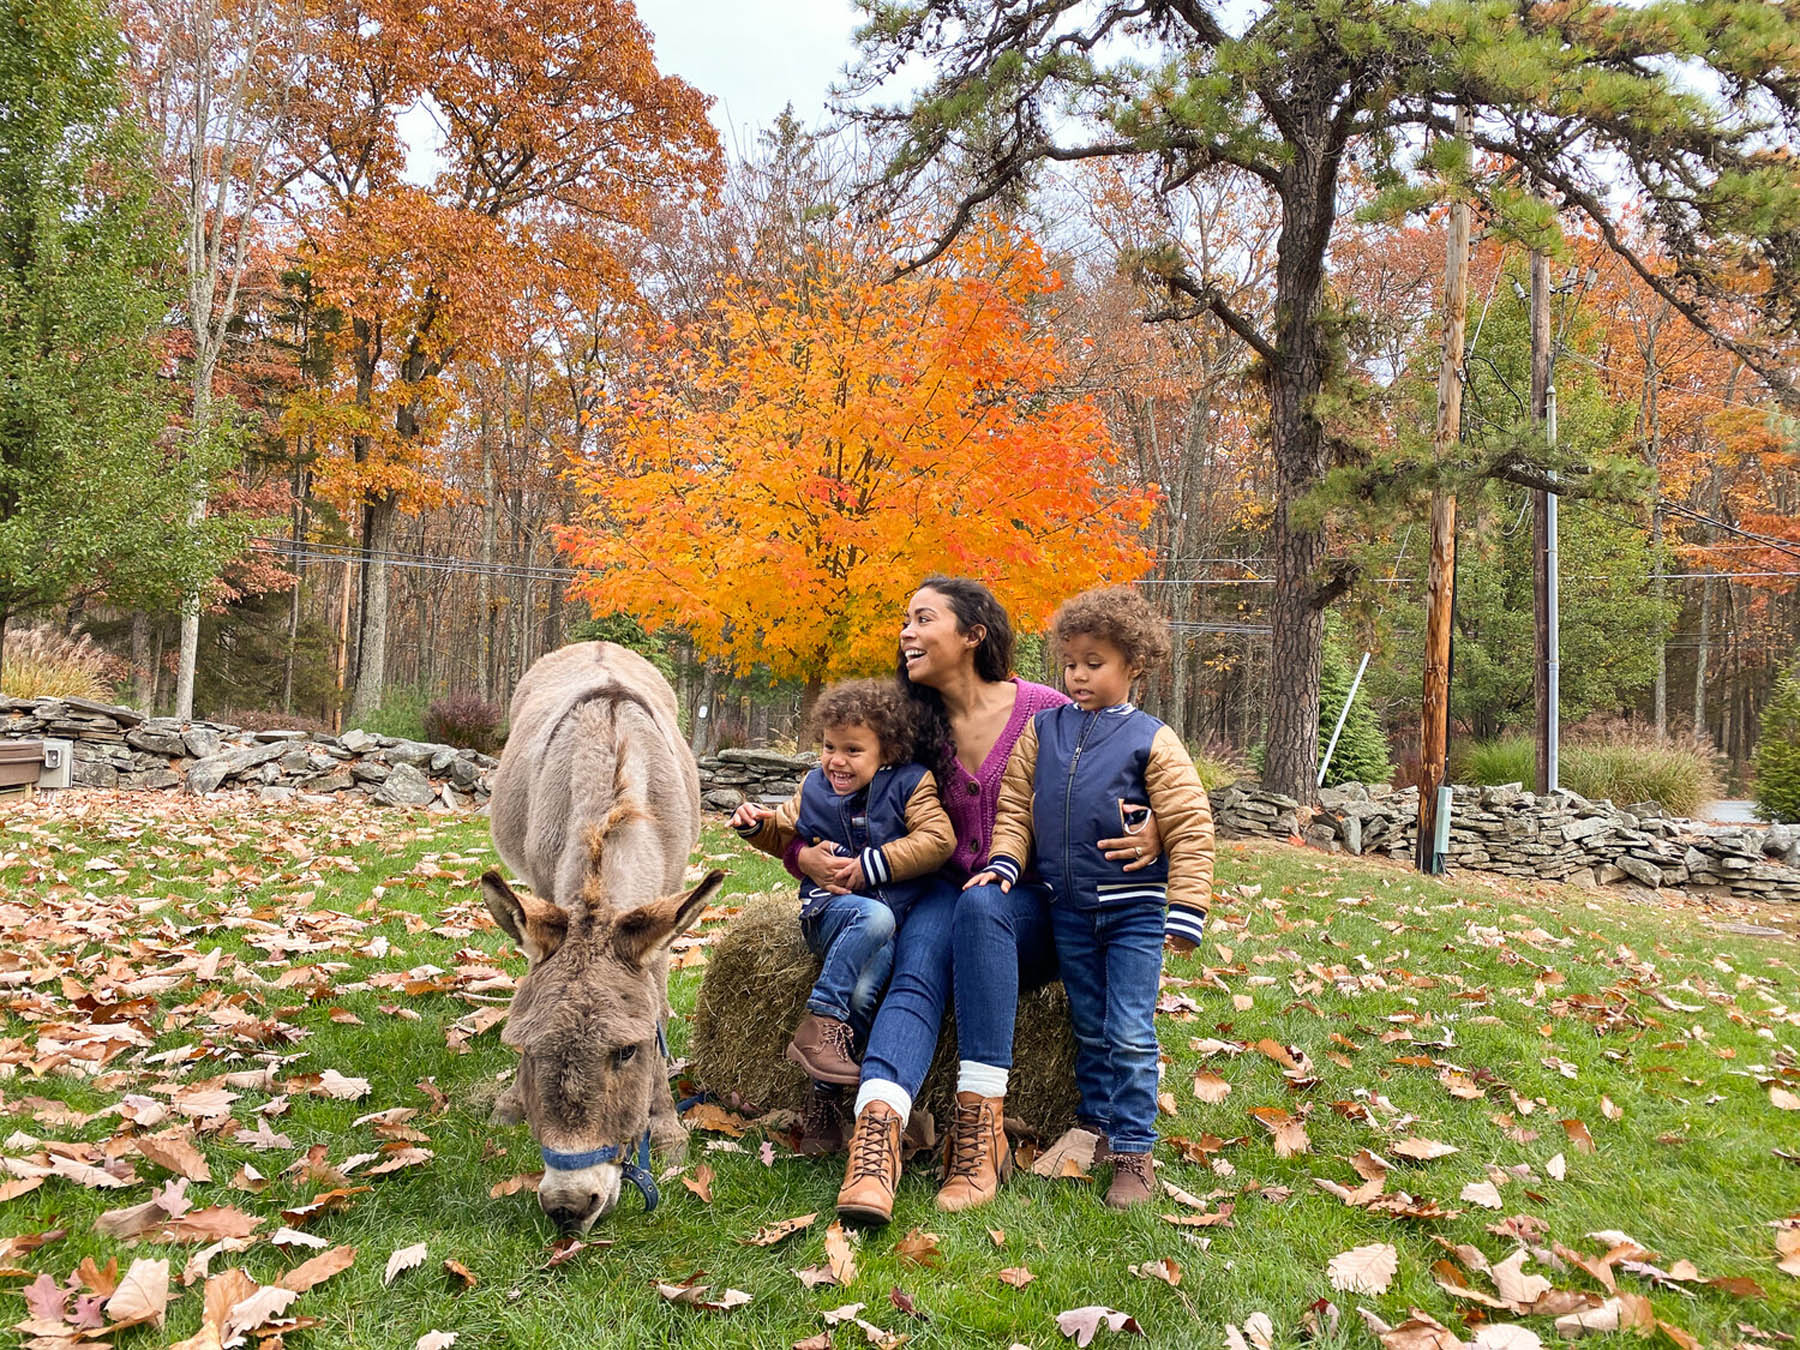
1560	837
733	777
118	748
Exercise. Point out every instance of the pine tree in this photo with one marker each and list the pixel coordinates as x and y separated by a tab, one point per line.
1778	753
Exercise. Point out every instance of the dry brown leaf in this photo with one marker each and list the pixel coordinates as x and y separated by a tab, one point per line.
1579	1136
700	1183
1423	1150
513	1185
1082	1323
1164	1269
918	1248
1506	1336
1622	1312
1787	1249
436	1340
174	1152
404	1259
1483	1193
318	1269
1557	1167
769	1234
1017	1276
1210	1088
1518	1289
267	1303
142	1295
1288	1132
1782	1099
1418	1332
1364	1270
465	1279
839	1254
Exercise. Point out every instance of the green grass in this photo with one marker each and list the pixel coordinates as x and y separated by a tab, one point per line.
1623	771
1324	947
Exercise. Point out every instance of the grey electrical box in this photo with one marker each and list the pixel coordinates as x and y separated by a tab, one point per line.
59	765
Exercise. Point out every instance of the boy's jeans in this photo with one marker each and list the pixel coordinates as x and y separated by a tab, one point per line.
1111	959
854	936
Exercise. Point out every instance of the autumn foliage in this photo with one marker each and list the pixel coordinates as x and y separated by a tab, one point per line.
783	474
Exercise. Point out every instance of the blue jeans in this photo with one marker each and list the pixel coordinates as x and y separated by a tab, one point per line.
1111	959
905	1034
1003	945
854	936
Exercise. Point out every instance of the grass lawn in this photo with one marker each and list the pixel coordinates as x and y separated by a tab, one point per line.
157	954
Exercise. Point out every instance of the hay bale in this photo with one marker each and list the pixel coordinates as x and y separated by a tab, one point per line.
754	991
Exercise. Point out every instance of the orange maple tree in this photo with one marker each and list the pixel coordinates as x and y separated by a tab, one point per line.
783	474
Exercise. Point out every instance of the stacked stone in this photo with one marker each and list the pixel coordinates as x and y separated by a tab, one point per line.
733	777
118	748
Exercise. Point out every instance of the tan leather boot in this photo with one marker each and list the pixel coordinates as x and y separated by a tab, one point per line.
1133	1180
822	1047
873	1172
977	1156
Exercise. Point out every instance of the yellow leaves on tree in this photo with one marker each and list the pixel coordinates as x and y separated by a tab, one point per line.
782	476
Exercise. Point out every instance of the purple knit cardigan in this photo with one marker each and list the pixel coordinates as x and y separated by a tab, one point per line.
973	802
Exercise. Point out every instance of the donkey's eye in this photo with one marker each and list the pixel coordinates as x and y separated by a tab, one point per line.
624	1055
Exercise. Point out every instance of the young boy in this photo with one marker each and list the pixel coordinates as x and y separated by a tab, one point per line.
884	814
1081	773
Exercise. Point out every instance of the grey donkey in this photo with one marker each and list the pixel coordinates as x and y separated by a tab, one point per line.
596	804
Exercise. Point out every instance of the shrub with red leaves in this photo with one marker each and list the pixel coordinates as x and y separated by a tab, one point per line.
467	721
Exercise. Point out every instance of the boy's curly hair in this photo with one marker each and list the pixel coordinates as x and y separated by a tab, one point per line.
1121	616
875	704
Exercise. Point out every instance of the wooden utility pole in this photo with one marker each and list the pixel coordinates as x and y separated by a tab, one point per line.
1434	729
1542	534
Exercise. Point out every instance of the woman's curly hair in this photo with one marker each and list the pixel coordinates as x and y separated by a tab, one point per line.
1121	616
974	606
875	704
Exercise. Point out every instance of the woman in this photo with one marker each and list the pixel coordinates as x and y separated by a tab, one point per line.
956	652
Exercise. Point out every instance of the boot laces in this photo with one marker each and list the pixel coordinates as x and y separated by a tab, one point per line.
869	1148
821	1113
838	1036
1137	1164
968	1140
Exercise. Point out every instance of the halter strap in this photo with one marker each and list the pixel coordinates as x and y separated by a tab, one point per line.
637	1173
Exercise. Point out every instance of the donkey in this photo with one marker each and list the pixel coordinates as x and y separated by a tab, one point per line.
596	804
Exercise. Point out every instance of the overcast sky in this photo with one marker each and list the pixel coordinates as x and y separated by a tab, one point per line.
753	56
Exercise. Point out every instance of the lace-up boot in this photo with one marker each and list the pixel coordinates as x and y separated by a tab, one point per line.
822	1123
977	1156
823	1046
873	1172
1133	1180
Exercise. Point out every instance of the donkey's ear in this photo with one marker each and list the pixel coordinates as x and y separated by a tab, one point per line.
536	925
641	932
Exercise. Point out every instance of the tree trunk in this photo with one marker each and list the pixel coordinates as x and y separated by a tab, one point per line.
484	588
143	674
379	519
702	736
1701	656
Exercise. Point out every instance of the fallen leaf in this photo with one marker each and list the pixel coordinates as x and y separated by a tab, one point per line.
1289	1132
839	1254
318	1269
1782	1099
1518	1289
1423	1150
174	1152
769	1234
1483	1193
1505	1336
268	1302
142	1295
1082	1323
918	1248
903	1302
436	1340
1579	1136
1622	1312
1557	1167
404	1259
1364	1270
1017	1276
464	1277
1164	1269
700	1183
513	1185
693	1295
1210	1088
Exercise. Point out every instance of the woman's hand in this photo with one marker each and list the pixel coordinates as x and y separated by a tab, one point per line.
819	864
848	873
988	879
1135	850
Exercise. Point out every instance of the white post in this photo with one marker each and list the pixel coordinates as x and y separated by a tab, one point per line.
1343	713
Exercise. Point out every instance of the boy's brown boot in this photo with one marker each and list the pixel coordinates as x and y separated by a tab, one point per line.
822	1047
977	1156
1133	1180
873	1172
822	1123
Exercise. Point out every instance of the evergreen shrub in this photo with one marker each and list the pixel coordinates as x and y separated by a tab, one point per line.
1778	754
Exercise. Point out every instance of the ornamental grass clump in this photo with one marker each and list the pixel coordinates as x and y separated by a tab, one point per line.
40	662
1625	768
466	721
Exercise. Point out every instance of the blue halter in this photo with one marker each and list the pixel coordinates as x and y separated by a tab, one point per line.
637	1173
